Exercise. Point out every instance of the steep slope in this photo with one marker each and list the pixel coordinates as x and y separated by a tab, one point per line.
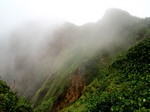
72	93
123	86
92	48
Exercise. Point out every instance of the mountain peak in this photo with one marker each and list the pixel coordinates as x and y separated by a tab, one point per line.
114	13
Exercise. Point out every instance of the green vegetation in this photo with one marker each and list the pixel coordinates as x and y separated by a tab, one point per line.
122	87
45	106
108	86
111	81
9	102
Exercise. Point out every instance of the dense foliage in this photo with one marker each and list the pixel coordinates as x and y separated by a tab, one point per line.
9	102
122	87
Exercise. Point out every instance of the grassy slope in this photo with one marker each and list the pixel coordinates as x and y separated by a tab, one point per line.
123	86
129	33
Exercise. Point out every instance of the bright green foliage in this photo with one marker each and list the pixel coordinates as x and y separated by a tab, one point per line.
122	87
9	102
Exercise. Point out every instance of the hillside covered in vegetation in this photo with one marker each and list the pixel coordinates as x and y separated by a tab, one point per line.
9	102
122	87
102	66
99	43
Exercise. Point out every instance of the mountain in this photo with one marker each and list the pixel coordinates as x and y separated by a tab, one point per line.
86	51
80	68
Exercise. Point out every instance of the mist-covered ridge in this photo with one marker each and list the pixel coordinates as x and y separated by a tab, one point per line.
55	65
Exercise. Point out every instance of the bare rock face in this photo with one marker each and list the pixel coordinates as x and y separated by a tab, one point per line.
72	93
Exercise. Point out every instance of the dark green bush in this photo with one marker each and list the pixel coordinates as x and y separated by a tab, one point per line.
9	102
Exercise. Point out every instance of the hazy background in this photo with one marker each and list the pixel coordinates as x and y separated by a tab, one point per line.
28	29
15	12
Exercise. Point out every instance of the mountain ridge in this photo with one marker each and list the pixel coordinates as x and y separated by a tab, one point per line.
109	49
79	68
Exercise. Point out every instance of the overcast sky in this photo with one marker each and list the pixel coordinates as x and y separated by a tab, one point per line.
15	12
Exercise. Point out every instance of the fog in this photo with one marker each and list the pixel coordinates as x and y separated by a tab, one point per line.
21	49
36	41
33	51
